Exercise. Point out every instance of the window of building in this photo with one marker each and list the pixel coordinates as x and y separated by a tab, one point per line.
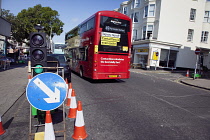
207	16
137	3
192	14
190	35
149	11
147	31
145	11
136	17
134	34
144	30
133	2
125	10
131	17
204	36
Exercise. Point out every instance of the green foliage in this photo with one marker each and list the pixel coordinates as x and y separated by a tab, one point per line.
7	15
23	24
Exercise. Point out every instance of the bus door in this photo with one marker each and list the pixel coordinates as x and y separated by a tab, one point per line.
84	60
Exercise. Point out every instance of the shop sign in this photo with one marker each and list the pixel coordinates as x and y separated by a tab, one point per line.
143	50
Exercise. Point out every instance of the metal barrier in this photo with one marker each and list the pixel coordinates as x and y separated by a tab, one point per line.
4	63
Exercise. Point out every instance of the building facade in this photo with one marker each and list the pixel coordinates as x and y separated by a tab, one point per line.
167	32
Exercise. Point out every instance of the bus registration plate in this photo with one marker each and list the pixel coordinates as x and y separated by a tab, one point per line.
113	76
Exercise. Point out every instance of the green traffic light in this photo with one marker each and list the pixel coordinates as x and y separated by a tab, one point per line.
38	70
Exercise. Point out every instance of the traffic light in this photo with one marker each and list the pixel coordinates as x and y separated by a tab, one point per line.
38	51
157	53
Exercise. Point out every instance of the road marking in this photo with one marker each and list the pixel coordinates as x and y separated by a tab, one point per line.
177	106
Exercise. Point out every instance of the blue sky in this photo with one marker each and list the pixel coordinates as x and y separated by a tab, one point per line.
71	12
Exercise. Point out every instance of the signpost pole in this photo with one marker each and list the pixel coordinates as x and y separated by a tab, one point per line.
197	52
196	65
156	65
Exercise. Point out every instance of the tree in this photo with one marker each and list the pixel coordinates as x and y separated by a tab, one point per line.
8	16
45	16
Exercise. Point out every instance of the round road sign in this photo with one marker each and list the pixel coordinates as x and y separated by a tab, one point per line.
46	91
197	51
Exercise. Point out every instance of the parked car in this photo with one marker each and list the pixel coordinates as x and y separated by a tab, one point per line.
62	62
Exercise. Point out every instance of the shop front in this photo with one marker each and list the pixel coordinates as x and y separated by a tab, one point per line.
5	30
141	57
153	54
204	59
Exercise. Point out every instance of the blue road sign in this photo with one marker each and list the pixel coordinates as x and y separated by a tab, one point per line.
46	91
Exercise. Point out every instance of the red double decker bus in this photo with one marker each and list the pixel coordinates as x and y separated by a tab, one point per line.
100	47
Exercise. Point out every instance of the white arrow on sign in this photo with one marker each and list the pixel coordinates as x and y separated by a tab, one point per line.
54	97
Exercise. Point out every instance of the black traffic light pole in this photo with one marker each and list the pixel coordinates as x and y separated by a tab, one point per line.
38	51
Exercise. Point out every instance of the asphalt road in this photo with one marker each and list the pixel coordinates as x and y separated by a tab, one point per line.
146	107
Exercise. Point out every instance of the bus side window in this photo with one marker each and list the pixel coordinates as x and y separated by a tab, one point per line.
78	56
73	55
90	24
84	53
70	54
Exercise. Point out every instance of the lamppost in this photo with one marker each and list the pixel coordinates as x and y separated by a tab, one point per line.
38	27
51	42
0	7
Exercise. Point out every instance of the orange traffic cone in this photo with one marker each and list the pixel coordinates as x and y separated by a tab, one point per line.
2	131
49	131
66	80
67	83
79	129
29	78
69	95
187	74
73	105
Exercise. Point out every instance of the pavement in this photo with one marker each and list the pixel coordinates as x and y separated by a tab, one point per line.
11	90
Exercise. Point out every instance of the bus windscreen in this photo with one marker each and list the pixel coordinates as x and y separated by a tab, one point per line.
114	35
